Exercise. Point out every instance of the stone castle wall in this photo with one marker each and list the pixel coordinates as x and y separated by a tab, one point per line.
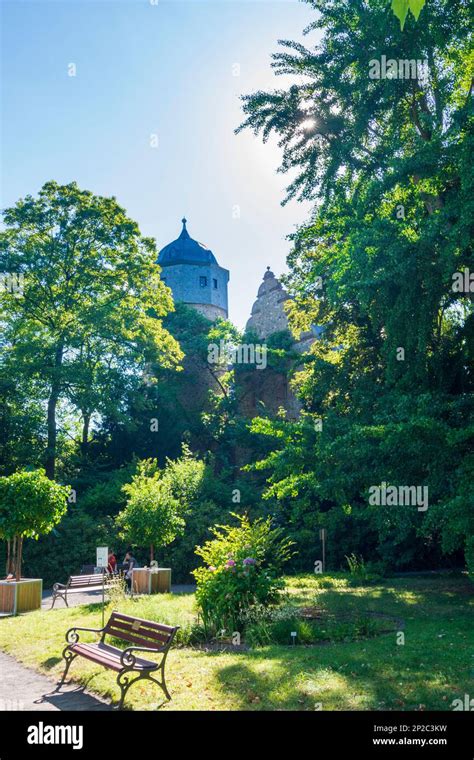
269	389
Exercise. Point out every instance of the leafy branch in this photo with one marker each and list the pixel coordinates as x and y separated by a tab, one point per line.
401	8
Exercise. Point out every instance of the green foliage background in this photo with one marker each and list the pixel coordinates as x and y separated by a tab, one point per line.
387	166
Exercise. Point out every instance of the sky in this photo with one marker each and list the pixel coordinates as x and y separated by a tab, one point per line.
149	117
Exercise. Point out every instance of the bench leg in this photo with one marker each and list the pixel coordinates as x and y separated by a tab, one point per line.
59	595
162	684
162	668
69	657
124	681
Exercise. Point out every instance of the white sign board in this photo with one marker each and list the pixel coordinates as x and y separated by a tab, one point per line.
102	556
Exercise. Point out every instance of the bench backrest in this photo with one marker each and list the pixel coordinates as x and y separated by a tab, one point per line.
78	581
143	633
87	569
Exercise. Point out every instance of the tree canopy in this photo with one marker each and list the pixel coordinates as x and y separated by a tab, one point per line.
30	506
89	318
387	163
158	501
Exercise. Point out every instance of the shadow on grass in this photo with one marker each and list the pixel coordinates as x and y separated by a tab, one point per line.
94	607
73	699
304	681
406	597
371	674
51	662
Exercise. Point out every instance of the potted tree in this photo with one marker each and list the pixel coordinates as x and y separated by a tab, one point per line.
30	506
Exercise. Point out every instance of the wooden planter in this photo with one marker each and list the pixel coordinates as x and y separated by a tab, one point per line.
20	596
145	581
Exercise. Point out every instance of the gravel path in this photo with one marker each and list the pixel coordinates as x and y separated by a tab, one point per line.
24	689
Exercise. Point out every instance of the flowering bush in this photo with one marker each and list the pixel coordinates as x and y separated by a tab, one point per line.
243	570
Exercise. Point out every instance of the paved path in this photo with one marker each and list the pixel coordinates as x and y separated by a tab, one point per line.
92	597
25	689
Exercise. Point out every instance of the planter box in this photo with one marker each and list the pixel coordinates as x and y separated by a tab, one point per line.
145	581
20	596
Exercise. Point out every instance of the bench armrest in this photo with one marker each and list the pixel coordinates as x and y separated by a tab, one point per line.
59	585
72	637
128	659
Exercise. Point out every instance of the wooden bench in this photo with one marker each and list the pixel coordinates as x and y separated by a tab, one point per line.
87	569
78	583
143	635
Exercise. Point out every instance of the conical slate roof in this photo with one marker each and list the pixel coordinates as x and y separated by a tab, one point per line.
185	250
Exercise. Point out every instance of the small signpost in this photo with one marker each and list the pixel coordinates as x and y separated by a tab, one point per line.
322	536
102	561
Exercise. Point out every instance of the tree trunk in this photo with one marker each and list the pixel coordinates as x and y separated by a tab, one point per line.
50	465
9	557
85	434
152	553
19	557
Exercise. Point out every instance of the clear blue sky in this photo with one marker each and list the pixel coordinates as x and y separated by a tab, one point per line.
141	70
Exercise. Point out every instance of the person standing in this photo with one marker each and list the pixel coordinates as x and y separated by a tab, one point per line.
112	562
130	562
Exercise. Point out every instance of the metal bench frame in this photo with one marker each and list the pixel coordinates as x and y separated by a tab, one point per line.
78	583
128	660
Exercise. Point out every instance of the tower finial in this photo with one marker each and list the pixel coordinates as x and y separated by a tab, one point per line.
184	233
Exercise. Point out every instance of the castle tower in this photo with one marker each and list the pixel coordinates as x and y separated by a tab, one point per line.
191	270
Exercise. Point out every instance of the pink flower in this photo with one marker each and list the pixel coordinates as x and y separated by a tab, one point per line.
230	563
212	569
249	561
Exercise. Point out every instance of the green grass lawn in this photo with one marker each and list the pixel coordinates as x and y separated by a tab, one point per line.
433	667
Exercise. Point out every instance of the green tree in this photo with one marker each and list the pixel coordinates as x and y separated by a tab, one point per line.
30	506
158	500
401	8
388	163
22	424
89	319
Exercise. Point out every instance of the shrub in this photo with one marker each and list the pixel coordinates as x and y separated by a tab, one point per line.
69	546
243	569
281	631
326	583
276	626
362	574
